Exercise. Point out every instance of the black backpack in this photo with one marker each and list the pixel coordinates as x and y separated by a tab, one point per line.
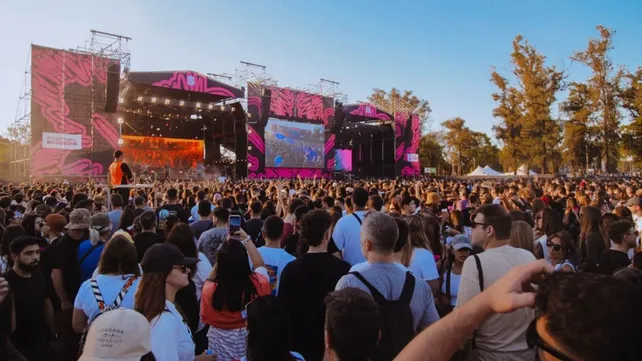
398	326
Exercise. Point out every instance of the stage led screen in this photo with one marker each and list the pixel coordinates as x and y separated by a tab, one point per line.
293	144
343	160
157	152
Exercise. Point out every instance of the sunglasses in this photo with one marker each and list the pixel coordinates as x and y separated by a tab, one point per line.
182	268
534	340
556	247
475	224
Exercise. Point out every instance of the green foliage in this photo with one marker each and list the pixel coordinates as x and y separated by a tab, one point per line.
396	101
602	89
467	149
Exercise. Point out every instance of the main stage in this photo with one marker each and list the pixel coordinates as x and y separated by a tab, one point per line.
184	124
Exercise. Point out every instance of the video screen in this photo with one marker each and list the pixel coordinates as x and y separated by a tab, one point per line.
157	152
293	145
343	159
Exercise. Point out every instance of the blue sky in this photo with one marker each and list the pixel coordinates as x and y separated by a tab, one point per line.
441	50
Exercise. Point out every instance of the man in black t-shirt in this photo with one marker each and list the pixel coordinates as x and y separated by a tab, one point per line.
173	207
148	236
305	282
255	224
34	312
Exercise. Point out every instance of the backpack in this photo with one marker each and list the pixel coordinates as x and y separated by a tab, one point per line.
398	326
101	305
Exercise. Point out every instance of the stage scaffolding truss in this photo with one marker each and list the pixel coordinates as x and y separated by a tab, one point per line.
99	44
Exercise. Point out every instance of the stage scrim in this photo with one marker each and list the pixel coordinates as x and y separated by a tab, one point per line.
71	134
156	152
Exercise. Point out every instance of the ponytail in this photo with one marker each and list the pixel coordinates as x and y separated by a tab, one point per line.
95	232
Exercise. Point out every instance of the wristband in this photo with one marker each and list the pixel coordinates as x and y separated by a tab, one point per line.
246	240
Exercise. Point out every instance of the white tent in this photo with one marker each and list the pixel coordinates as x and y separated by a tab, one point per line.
479	171
491	172
521	171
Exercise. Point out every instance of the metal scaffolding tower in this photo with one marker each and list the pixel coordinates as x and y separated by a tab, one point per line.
19	133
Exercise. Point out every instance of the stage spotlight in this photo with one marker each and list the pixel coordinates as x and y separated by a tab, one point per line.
167	101
120	121
223	107
157	129
249	131
249	147
249	115
249	165
211	106
140	99
181	103
198	105
120	141
153	99
121	100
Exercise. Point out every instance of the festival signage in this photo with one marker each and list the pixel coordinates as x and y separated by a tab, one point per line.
412	157
61	141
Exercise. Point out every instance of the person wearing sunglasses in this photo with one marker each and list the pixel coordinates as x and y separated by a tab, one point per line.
165	271
560	248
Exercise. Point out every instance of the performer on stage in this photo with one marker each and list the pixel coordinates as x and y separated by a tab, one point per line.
120	174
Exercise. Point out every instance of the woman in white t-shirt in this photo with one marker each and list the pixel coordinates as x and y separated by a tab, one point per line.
182	236
117	271
269	330
165	271
422	260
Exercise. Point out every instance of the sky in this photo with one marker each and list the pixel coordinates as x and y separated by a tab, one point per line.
441	50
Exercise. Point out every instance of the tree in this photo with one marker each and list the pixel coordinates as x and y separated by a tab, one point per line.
630	95
603	88
458	136
578	144
509	131
395	101
468	149
431	152
537	87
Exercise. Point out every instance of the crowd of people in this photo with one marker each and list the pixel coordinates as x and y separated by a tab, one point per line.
317	269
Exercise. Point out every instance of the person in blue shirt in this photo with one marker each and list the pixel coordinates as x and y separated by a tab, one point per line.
89	251
275	257
278	160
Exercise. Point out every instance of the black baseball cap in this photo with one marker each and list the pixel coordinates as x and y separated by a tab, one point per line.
163	257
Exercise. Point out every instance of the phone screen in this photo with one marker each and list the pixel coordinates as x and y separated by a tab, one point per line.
235	223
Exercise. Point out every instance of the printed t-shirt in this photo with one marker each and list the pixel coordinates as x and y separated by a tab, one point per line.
275	260
228	319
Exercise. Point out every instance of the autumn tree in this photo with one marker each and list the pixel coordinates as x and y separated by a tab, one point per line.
509	131
630	95
603	87
458	136
467	149
396	101
537	85
431	152
579	141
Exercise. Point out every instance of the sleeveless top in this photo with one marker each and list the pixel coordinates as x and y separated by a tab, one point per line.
116	173
558	267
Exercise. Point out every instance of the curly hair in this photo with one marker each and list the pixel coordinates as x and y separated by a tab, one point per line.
594	317
314	225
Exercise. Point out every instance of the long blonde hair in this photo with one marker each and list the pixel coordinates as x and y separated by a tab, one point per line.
521	236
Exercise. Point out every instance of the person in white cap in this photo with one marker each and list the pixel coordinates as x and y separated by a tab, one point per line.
118	335
449	281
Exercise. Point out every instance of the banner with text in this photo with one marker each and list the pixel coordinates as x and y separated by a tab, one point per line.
61	141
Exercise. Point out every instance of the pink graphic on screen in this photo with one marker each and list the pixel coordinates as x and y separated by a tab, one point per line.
52	73
343	160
